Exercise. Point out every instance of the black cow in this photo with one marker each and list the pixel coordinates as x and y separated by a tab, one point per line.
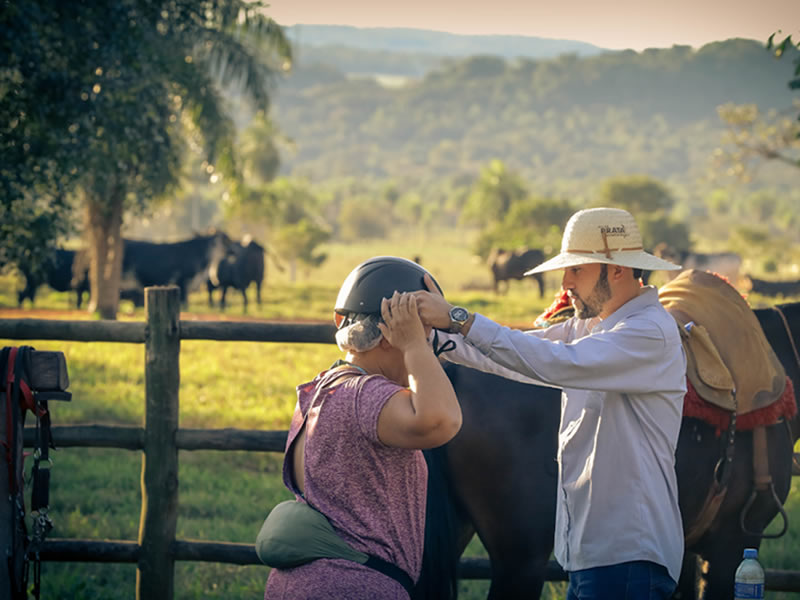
132	294
507	265
60	272
772	288
179	263
726	264
241	266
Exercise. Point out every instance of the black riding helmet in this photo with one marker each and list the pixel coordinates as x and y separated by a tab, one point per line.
374	279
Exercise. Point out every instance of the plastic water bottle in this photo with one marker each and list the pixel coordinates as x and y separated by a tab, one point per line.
749	581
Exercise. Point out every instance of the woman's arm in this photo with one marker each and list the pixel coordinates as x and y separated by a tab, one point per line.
427	414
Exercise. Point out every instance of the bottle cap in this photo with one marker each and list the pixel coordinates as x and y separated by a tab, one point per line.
750	553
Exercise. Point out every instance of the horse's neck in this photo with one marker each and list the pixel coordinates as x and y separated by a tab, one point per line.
784	336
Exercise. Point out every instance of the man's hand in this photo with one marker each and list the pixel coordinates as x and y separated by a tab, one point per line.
433	309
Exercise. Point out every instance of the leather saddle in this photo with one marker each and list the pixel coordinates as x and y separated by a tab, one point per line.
731	365
729	360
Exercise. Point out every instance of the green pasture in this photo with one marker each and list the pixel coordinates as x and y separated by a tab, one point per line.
224	496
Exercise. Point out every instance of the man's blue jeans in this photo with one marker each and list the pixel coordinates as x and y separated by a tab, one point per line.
638	580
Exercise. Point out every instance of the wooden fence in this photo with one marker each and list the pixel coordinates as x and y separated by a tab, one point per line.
156	550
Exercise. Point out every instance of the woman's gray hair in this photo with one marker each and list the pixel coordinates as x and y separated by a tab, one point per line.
359	333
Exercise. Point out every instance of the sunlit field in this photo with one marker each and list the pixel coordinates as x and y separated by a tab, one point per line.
224	496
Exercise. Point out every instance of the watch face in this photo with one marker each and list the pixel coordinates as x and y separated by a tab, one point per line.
458	314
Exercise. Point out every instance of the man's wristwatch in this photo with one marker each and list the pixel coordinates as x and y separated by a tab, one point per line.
458	316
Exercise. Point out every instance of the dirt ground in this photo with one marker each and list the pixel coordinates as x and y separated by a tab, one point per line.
41	313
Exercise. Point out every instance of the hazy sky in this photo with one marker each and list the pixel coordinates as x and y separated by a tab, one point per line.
615	24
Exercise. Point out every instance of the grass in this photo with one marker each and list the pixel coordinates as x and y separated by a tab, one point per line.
225	496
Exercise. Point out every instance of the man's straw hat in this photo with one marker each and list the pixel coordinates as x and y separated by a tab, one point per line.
603	235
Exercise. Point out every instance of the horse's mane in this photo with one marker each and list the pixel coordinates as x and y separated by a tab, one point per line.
439	576
445	515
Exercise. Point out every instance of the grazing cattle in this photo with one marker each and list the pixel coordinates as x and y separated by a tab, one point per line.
132	294
242	265
58	273
771	288
507	265
726	264
179	263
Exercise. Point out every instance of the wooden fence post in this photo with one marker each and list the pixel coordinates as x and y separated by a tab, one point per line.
155	575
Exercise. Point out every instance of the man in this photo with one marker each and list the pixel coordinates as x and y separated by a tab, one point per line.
622	369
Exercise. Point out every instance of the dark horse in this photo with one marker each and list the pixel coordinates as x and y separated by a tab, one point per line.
497	478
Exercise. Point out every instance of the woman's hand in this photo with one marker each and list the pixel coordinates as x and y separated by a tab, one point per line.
402	326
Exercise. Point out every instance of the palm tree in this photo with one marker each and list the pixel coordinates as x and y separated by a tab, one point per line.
103	97
158	87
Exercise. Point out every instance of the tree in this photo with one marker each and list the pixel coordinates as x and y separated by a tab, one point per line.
533	222
650	201
259	152
638	194
496	190
145	75
41	112
781	49
753	137
362	218
291	209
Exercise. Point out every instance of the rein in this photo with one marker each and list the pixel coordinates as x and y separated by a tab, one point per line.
778	310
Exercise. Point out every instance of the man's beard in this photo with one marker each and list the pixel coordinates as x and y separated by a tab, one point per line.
600	294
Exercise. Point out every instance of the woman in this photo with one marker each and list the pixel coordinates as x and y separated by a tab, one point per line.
354	445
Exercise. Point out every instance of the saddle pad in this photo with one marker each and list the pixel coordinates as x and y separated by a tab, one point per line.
725	328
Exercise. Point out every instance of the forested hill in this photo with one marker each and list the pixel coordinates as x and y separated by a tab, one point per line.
569	117
395	39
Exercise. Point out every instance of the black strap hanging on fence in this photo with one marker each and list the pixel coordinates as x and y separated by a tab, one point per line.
40	497
40	474
16	367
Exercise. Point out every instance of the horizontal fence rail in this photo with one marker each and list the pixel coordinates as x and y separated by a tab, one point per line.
74	331
132	438
776	580
135	333
115	551
155	551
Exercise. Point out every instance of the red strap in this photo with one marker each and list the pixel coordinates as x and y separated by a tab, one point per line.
26	401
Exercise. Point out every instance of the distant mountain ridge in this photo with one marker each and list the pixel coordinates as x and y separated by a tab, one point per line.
396	39
553	120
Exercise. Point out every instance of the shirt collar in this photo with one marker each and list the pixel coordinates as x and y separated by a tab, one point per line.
647	296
